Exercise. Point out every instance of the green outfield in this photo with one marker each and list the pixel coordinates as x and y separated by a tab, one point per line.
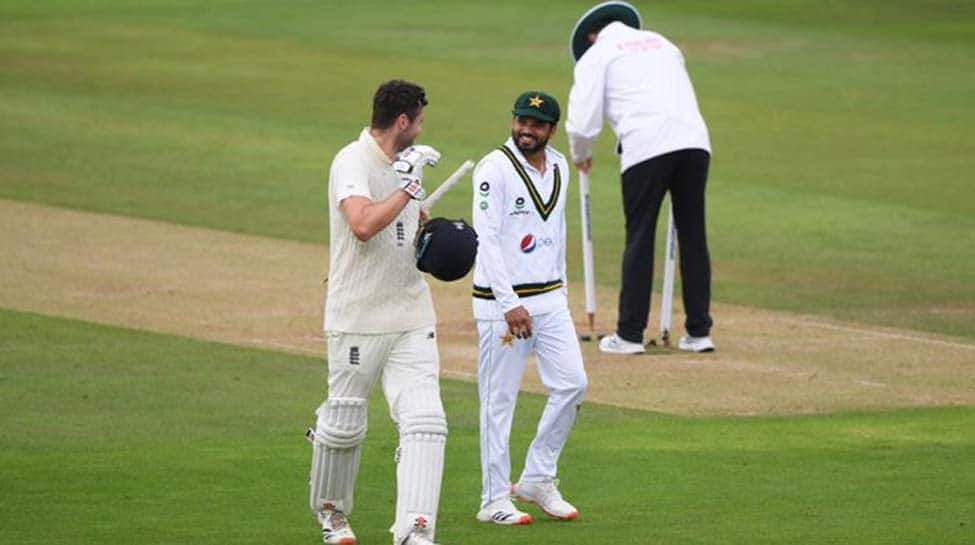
842	134
840	188
118	436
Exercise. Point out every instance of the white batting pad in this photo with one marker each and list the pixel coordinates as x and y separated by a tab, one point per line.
339	433
423	435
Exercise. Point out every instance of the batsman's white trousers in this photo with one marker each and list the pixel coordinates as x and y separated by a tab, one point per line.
409	364
501	366
404	360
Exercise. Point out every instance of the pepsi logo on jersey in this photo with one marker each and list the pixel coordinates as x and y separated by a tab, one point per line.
529	243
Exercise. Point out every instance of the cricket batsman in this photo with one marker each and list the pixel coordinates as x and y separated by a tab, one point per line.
380	324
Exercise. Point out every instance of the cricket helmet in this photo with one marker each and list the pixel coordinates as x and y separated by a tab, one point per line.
445	248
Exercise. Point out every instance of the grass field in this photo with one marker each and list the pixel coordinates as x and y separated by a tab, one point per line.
842	161
120	436
840	188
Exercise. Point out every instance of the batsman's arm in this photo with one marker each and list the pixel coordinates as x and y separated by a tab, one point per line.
366	218
348	187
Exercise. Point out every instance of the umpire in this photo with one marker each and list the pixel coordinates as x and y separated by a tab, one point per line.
637	79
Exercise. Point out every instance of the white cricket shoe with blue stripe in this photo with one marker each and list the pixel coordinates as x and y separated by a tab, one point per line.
503	512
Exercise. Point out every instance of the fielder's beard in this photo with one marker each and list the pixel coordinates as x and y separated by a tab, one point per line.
527	148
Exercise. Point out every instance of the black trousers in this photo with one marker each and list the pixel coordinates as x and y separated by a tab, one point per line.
684	173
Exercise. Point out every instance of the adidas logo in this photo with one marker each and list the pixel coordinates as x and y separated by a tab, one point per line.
501	516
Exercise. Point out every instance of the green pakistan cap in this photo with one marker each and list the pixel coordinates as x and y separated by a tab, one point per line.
539	105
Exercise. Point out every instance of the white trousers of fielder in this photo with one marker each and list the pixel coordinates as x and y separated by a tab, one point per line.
501	366
409	365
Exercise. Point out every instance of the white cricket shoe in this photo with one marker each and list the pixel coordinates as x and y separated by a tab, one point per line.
335	527
546	496
695	344
417	537
613	344
503	512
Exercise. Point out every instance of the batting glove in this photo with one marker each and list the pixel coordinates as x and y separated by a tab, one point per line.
409	164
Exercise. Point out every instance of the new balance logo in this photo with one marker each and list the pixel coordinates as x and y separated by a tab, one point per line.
354	355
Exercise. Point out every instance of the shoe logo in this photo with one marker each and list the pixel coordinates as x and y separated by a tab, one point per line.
501	516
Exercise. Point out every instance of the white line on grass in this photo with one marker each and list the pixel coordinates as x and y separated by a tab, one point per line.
877	333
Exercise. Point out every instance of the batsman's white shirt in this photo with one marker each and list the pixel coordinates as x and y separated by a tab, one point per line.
373	286
519	215
638	79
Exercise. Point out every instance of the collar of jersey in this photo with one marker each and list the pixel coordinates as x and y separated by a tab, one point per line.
367	139
518	162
